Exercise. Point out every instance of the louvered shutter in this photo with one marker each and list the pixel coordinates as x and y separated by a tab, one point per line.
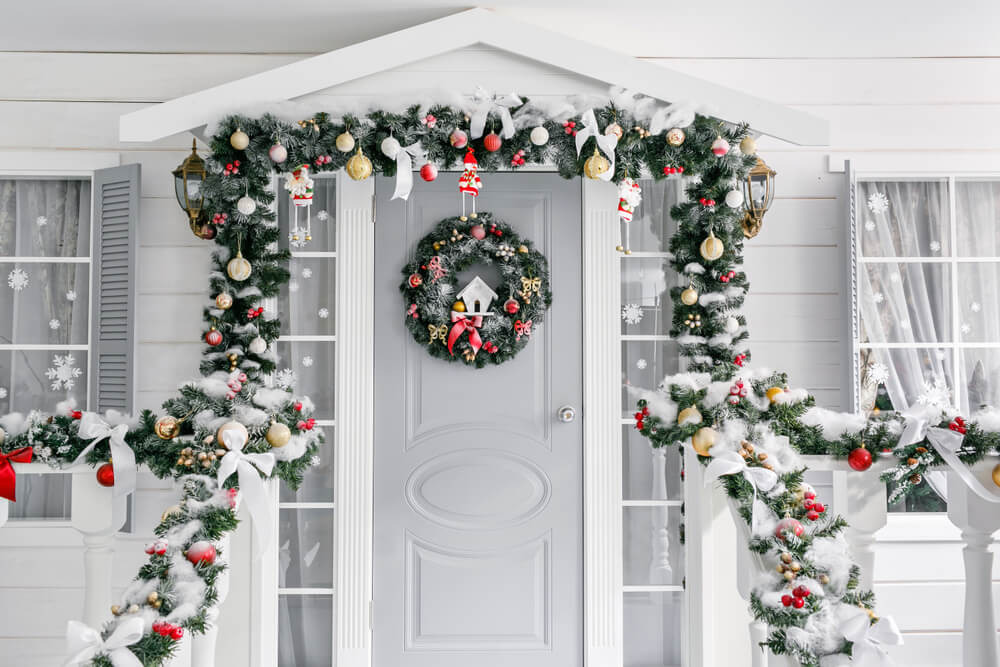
116	226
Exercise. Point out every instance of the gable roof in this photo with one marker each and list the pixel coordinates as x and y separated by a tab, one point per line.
473	26
476	283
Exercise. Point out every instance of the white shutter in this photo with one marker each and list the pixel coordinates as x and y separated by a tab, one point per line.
116	225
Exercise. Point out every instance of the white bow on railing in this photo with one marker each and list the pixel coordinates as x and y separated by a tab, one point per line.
122	456
605	142
731	463
485	103
404	169
85	642
947	444
252	489
868	638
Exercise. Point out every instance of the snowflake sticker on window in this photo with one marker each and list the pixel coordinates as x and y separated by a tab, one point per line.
966	328
295	241
935	246
323	215
631	313
17	279
307	273
323	313
878	297
71	295
640	364
878	202
3	393
63	372
285	378
54	324
870	225
876	373
935	394
41	221
307	361
293	285
975	307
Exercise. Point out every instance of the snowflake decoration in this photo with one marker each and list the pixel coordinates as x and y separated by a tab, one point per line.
323	215
307	273
935	246
940	354
936	394
893	277
285	378
63	372
878	297
307	361
17	279
878	202
3	393
631	313
293	285
876	373
296	241
41	221
975	307
54	324
323	313
315	461
870	225
965	328
71	295
640	364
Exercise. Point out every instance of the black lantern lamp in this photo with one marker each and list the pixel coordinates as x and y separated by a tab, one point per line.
188	179
758	192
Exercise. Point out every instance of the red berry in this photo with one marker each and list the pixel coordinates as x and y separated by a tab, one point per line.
638	415
680	170
812	515
76	414
811	495
298	407
645	411
236	162
786	600
804	592
819	507
176	633
798	603
807	504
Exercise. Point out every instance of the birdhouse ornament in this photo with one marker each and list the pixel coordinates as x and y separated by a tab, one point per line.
469	182
300	189
629	198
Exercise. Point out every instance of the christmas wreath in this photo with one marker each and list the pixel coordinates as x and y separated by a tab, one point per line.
477	324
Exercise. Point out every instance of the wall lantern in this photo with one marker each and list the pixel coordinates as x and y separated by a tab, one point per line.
188	179
758	192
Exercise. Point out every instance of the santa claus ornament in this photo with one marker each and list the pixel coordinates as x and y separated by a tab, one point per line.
300	189
629	197
469	183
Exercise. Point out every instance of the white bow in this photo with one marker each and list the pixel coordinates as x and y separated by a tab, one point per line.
122	456
606	142
252	487
485	103
404	169
947	443
731	463
85	643
868	638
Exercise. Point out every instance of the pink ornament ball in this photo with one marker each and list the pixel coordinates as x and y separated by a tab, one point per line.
788	526
720	147
511	306
429	172
458	138
478	232
201	552
278	153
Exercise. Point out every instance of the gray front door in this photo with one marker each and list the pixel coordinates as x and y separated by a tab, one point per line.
478	486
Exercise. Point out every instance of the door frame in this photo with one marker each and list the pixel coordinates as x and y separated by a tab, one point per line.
354	429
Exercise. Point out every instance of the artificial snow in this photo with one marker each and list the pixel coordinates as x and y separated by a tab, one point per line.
832	424
694	267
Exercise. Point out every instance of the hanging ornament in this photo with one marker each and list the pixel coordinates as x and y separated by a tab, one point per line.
239	140
748	146
429	172
359	167
629	198
539	136
689	296
477	232
773	393
258	345
390	147
675	136
492	142
213	337
106	474
734	199
703	440
167	427
345	142
720	146
246	205
201	552
596	165
278	434
614	129
415	280
224	301
458	138
233	426
732	325
712	248
511	306
277	153
689	415
239	268
788	526
458	307
860	459
469	182
300	189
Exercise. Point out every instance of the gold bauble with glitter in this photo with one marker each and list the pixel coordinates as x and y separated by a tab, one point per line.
703	440
689	296
712	248
690	414
345	142
359	167
596	165
278	434
167	427
239	267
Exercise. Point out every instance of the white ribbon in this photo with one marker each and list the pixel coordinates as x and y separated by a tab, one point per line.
485	103
731	463
868	638
85	642
122	456
404	170
606	142
252	489
947	443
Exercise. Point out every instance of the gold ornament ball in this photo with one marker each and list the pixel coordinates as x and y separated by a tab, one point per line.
675	137
167	427
689	414
996	474
239	140
773	393
239	267
345	142
703	440
689	296
224	301
152	597
748	146
596	165
614	129
458	307
712	248
230	426
116	610
278	434
359	167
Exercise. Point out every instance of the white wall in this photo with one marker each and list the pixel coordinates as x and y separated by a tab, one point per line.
898	99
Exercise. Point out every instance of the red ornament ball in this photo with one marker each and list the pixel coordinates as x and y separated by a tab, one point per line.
201	552
786	526
492	142
213	337
458	138
511	306
860	459
106	475
415	280
429	172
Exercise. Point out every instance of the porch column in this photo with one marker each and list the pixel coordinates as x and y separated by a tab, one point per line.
97	514
861	498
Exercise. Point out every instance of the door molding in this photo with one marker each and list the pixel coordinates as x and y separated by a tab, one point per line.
355	433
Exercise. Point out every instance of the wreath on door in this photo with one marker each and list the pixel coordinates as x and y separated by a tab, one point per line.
476	323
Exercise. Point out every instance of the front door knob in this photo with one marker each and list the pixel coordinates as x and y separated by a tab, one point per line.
567	413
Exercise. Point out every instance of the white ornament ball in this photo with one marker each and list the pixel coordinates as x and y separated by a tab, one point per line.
390	147
734	198
539	136
239	140
278	153
258	345
732	325
246	205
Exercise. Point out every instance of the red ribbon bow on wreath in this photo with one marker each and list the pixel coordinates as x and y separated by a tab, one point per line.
522	328
7	474
462	323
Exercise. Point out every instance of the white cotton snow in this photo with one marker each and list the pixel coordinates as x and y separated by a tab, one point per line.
270	399
833	424
14	423
214	386
711	298
295	448
694	268
251	417
791	396
716	394
659	403
987	420
249	293
831	555
690	339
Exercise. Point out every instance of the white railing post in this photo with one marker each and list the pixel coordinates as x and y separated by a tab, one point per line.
203	645
860	497
978	520
97	514
660	570
749	567
4	511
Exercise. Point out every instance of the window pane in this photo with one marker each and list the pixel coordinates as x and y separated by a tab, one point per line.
317	486
321	214
306	548
644	365
653	552
653	629
980	378
311	367
977	218
648	473
904	218
652	226
42	378
905	303
305	627
908	375
49	218
306	305
645	299
42	497
978	302
44	303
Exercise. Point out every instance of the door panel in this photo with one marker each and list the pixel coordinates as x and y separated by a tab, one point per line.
478	487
